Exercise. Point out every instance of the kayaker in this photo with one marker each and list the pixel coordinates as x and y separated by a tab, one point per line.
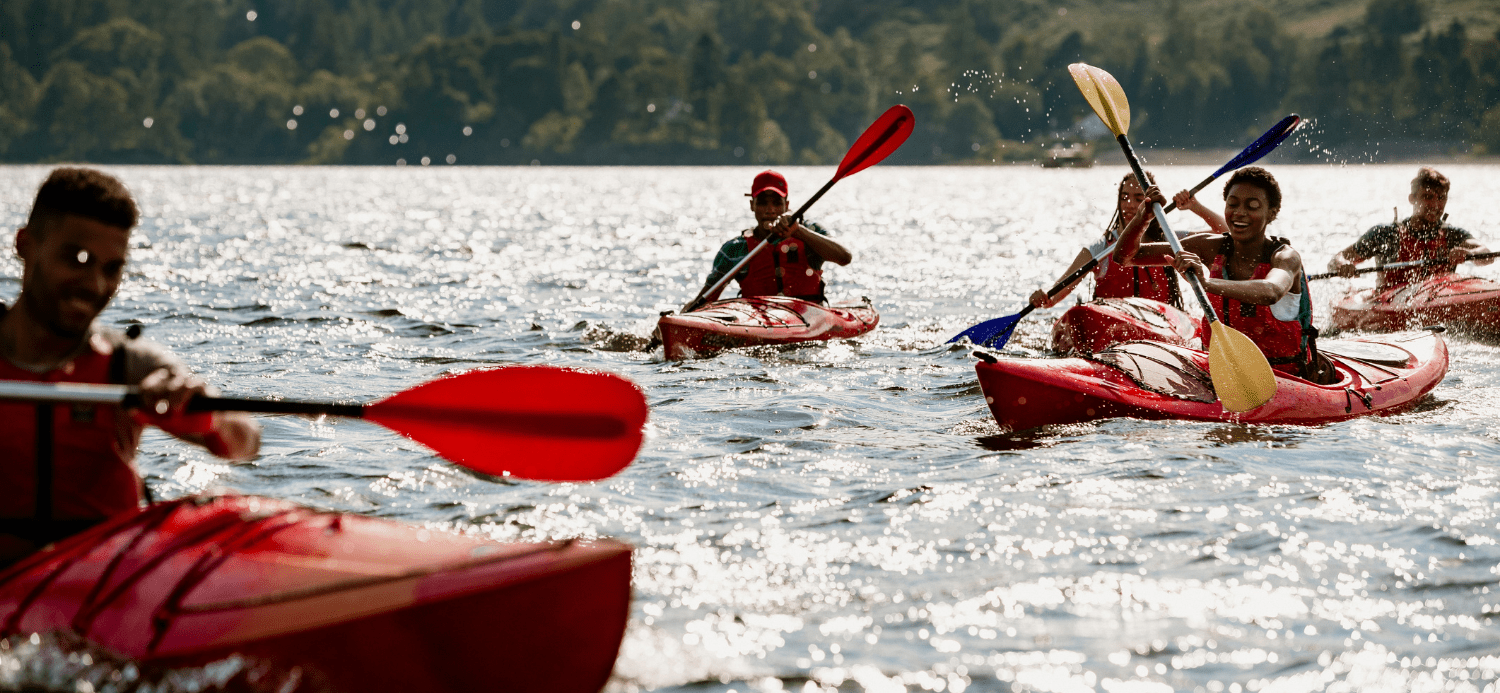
1425	235
1110	279
794	265
1254	281
73	251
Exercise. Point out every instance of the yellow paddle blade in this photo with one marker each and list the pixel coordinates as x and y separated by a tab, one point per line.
1104	94
1242	376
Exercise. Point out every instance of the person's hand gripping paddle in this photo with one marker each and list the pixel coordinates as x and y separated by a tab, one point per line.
1242	377
883	137
996	332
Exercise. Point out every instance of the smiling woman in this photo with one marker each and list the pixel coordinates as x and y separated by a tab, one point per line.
1254	281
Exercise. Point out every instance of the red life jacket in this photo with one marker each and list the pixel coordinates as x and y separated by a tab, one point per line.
1286	343
1155	282
781	270
1413	246
92	470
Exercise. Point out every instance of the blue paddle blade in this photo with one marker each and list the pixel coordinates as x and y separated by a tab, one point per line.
1263	146
991	333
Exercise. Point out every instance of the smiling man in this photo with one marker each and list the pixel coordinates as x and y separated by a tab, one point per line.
794	265
61	476
1425	235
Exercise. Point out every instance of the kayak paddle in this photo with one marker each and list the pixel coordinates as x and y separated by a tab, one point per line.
1242	377
883	137
1406	265
532	422
996	332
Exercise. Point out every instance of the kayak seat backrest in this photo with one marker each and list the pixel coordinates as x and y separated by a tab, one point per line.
1160	368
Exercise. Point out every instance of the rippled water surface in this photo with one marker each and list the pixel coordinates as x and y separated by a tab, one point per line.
842	515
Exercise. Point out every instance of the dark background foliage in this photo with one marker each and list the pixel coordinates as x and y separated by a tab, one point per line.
717	82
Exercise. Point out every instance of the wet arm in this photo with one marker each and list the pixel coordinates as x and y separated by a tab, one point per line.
1286	265
1039	297
825	247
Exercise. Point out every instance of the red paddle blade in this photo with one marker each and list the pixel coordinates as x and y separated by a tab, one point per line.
533	422
884	136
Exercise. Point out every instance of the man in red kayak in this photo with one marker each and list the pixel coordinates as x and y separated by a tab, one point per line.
1425	235
793	266
1254	281
57	482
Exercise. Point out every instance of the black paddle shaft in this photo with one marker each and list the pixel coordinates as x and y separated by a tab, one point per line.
1405	265
265	406
1161	218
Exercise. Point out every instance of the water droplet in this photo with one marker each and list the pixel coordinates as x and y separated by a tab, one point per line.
426	160
379	111
251	15
348	134
297	110
333	113
577	25
452	159
369	124
468	131
812	47
291	124
148	122
650	108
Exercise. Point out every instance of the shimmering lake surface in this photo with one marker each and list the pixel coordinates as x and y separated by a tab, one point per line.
841	516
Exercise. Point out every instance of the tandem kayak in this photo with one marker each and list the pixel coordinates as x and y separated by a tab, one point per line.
740	322
1091	327
350	603
1460	303
1153	380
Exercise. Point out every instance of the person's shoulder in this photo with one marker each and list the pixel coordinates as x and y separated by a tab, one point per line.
1453	231
141	355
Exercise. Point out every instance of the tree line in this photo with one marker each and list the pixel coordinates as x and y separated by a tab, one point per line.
699	81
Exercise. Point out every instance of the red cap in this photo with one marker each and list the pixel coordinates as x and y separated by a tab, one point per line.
768	180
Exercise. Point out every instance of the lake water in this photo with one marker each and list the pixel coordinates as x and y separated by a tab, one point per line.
842	516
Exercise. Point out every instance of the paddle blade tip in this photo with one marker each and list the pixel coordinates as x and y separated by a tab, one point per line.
1104	94
1242	377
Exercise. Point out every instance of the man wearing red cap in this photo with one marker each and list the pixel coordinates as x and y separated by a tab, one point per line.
793	266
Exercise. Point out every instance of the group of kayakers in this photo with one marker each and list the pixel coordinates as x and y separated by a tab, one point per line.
74	245
1256	281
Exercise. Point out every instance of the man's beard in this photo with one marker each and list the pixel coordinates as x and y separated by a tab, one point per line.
50	316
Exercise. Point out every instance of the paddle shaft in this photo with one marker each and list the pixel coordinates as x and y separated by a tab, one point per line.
130	398
1405	265
1161	218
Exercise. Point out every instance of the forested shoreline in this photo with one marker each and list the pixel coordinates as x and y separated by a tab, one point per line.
705	82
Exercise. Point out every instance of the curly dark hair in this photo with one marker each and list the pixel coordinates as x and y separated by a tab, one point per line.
1260	178
85	192
1428	178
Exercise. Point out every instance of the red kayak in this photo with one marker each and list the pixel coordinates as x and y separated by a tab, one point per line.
1152	380
740	322
1092	327
1460	303
351	603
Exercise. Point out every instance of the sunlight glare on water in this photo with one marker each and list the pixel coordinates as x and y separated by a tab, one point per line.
842	516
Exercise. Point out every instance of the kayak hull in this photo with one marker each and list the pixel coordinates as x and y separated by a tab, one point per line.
1468	304
349	602
1092	327
742	322
1151	380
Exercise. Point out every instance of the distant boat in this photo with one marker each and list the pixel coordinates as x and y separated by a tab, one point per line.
1076	155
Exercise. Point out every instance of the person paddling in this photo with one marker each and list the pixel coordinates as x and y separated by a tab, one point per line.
1425	235
57	482
1114	281
793	266
1254	281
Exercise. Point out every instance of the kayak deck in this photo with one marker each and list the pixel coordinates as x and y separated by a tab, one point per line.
1092	327
354	603
1152	380
741	322
1457	302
